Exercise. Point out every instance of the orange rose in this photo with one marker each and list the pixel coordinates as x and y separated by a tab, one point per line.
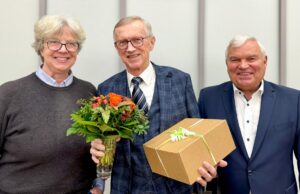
114	99
131	105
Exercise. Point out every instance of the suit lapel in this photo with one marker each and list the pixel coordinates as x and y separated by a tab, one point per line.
229	105
163	83
267	104
121	85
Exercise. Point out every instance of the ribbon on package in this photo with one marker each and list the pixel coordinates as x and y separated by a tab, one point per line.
180	134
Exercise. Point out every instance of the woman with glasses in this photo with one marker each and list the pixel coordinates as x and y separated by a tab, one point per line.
36	156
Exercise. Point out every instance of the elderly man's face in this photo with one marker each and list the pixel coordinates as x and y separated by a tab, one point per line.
136	58
246	66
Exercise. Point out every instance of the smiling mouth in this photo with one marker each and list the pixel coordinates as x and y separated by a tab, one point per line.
245	73
245	76
62	59
132	56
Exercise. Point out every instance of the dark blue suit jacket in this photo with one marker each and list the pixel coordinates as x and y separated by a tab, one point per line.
176	102
270	169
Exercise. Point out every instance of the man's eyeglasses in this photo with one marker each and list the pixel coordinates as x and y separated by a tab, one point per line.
136	42
55	45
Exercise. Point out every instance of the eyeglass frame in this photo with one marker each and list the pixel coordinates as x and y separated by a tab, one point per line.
127	41
62	44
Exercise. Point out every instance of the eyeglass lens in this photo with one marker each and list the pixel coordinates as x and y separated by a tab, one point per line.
56	45
136	42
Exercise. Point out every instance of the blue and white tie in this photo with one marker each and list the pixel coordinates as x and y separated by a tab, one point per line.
138	96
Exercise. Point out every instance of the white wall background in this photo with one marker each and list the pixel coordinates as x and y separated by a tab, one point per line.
176	27
293	43
98	60
17	58
174	24
224	19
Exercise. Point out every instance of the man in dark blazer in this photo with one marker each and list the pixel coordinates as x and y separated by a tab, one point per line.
170	98
263	118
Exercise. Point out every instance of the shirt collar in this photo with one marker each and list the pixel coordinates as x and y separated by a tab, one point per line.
43	76
146	75
259	91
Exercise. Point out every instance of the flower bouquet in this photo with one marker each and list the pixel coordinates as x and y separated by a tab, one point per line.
108	117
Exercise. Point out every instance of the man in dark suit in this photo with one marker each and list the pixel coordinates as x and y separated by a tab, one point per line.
264	121
169	98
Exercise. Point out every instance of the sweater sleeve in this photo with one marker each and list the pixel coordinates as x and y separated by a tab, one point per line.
4	103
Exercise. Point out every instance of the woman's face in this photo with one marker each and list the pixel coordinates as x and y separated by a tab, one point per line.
59	62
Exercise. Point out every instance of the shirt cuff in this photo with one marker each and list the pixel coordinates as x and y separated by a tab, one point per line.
100	183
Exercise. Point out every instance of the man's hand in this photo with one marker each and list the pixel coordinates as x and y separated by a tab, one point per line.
97	150
96	190
209	172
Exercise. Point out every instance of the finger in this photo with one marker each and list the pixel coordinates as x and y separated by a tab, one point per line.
204	174
95	190
97	144
95	159
201	181
211	170
97	141
97	153
222	163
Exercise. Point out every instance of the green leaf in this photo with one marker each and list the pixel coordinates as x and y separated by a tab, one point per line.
81	121
106	120
93	129
72	131
90	138
105	115
125	132
105	127
131	123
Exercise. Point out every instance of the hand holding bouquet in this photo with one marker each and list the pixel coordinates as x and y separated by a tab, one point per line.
108	117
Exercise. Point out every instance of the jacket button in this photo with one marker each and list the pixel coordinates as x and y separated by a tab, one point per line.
249	172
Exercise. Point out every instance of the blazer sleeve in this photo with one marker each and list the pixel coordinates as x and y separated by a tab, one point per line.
102	89
297	141
120	181
191	103
201	104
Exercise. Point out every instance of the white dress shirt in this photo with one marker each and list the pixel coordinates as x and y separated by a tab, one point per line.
248	115
148	84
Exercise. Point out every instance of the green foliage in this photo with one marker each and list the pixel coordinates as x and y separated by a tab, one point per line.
99	118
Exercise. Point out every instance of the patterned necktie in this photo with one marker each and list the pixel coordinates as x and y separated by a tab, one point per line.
138	96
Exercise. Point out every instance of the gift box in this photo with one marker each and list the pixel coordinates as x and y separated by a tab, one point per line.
179	151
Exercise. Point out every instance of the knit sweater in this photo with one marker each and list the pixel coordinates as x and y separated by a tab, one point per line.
37	157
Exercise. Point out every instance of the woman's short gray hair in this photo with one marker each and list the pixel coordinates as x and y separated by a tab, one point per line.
51	25
239	40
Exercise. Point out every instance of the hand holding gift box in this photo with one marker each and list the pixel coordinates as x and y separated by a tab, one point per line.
178	152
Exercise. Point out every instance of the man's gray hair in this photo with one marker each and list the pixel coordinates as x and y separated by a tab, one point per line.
239	40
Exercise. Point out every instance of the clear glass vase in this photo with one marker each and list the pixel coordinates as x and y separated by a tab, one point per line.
105	164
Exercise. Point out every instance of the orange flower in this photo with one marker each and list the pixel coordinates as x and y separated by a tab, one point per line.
114	99
110	115
131	105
